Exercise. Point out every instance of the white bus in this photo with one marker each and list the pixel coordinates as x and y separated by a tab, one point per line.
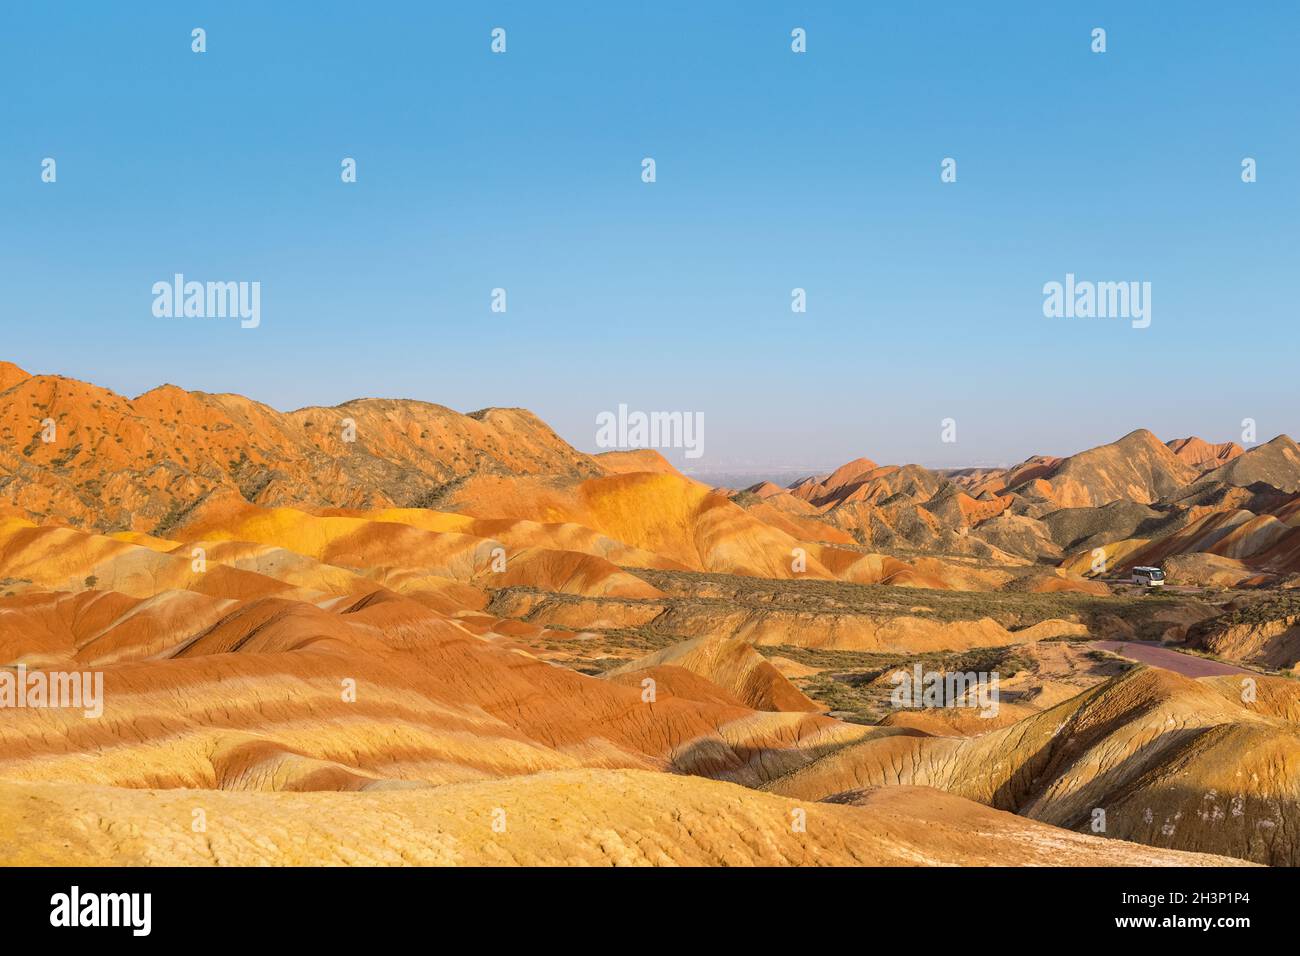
1148	577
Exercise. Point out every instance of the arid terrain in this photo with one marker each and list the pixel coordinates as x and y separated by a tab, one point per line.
388	632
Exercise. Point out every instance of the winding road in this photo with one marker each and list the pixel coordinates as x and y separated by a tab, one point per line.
1157	655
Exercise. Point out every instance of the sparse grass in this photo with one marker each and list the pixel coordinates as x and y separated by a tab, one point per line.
1011	609
851	703
700	594
1275	607
1106	657
846	679
850	686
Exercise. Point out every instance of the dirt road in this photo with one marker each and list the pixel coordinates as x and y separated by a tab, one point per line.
1158	655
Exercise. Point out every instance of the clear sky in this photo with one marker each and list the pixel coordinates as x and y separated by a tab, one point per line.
775	170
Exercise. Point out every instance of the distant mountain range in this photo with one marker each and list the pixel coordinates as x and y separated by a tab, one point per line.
78	454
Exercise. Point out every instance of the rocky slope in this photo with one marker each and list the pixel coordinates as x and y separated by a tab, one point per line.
584	818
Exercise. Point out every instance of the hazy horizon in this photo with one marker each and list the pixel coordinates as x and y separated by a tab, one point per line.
719	467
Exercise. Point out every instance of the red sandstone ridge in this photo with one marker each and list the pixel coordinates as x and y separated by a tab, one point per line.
1201	455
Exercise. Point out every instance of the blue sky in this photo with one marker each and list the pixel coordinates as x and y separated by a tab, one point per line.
775	171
